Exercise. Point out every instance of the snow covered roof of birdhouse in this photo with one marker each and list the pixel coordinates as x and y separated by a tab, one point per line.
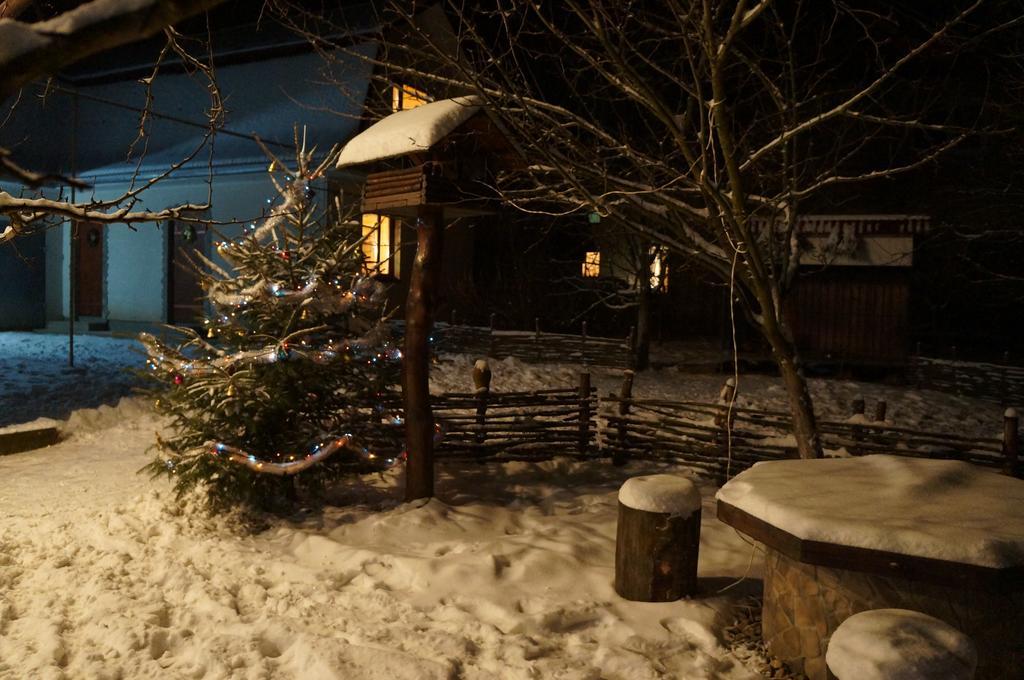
408	131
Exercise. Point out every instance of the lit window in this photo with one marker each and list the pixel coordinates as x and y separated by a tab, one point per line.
380	244
659	268
404	97
592	263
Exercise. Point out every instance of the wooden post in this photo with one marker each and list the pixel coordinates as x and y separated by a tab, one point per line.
858	430
858	406
536	338
625	394
918	366
657	540
583	343
482	382
1004	384
490	338
723	421
584	440
880	409
631	359
1011	442
419	313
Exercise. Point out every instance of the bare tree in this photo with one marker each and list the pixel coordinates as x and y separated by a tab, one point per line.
29	51
705	127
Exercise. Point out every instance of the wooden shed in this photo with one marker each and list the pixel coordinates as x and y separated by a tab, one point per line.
851	300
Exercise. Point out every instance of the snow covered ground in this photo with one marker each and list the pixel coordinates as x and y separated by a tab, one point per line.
506	574
36	381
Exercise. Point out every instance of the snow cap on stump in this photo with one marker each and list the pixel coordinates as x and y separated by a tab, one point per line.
661	493
899	644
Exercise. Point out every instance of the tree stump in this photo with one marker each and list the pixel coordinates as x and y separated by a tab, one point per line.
658	539
889	644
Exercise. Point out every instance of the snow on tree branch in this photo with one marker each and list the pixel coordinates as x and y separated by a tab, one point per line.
31	51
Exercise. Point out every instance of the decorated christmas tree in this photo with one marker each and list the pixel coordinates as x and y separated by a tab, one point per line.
289	386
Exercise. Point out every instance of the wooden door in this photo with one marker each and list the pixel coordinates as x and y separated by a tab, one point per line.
184	294
88	269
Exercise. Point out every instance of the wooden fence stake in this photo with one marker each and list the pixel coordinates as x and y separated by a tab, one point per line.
1011	442
583	343
619	457
490	338
584	442
724	421
482	382
536	337
1004	383
632	347
880	409
858	430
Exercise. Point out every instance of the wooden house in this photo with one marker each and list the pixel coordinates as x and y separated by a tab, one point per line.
851	300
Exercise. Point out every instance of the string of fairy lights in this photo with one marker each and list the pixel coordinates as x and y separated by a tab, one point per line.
294	465
321	293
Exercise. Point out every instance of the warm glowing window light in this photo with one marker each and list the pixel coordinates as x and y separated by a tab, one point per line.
405	97
377	248
592	263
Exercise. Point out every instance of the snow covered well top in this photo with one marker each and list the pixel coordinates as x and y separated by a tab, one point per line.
660	493
943	509
899	644
408	131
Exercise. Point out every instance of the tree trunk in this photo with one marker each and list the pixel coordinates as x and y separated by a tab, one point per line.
419	311
805	426
643	325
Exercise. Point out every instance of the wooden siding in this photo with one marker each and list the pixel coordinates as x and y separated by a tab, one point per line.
852	314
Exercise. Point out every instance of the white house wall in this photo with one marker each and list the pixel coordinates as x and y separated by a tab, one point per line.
135	262
263	99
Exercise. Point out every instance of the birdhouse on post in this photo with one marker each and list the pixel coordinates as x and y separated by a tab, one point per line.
427	165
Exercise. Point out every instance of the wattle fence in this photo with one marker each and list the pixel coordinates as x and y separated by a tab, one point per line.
710	436
999	383
534	346
723	441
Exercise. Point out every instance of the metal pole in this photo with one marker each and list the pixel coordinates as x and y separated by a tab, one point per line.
73	264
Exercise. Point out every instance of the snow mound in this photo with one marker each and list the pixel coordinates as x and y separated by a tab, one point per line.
942	509
408	131
661	493
899	644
